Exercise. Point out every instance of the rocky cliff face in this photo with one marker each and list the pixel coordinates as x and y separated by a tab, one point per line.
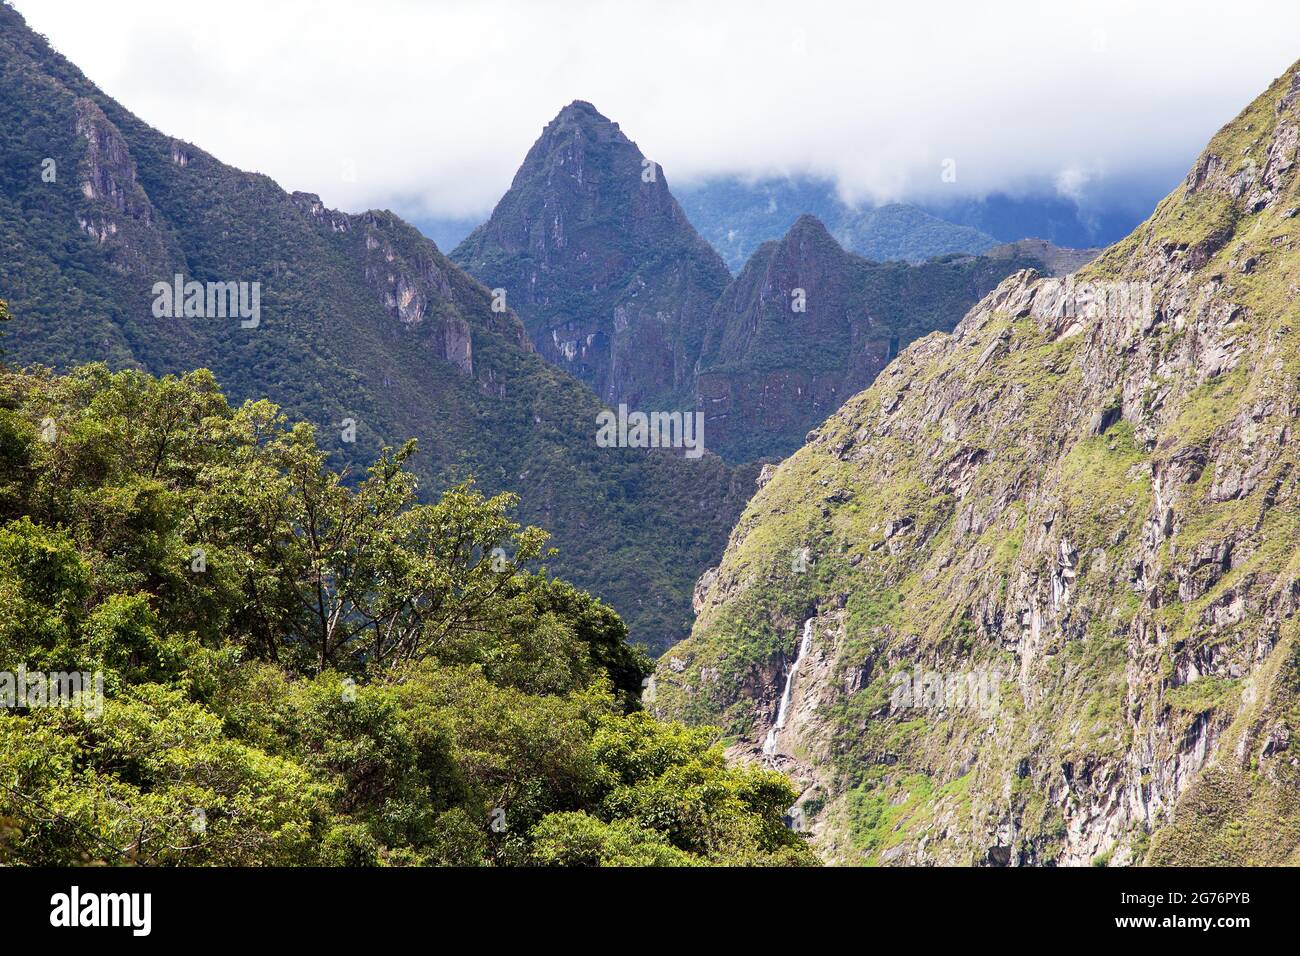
806	325
115	211
612	282
1050	560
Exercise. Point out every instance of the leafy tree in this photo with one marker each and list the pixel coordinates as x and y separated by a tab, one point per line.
302	667
676	781
579	839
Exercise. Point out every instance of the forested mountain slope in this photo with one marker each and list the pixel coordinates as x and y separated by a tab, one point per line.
364	328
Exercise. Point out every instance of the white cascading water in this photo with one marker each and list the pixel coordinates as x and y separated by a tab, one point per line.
769	745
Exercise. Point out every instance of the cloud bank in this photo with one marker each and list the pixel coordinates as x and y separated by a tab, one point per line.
428	107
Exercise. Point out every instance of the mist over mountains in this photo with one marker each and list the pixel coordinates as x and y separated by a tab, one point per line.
738	214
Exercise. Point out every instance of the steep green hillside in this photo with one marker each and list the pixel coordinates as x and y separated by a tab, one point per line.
361	319
1074	523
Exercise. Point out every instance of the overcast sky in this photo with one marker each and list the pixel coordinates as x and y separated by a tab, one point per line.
428	106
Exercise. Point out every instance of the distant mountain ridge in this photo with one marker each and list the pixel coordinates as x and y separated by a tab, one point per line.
737	215
807	324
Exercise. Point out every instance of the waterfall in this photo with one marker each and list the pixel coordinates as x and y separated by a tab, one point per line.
769	745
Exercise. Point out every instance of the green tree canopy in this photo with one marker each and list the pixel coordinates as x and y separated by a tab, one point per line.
302	666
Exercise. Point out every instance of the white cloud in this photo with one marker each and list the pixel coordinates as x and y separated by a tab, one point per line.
432	105
1072	181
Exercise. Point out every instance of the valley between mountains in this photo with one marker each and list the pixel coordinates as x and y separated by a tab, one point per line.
365	321
989	559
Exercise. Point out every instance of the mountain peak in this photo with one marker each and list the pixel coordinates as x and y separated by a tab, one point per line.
582	119
582	109
612	281
808	225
